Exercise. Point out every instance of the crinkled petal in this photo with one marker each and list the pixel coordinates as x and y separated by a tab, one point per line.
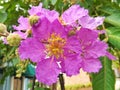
47	71
23	24
71	64
91	65
31	49
73	44
97	49
110	56
90	22
74	13
58	29
35	9
87	35
42	29
50	15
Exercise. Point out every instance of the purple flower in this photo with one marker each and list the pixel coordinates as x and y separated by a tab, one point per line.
23	24
74	13
48	48
91	48
90	22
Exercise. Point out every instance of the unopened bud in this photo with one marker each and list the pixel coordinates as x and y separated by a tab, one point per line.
3	28
33	19
29	32
13	39
71	32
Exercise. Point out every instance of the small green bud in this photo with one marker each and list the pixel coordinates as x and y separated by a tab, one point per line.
13	39
29	32
33	19
3	28
71	32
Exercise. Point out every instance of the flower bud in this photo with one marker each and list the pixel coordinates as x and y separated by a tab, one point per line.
71	32
3	28
33	19
29	32
13	39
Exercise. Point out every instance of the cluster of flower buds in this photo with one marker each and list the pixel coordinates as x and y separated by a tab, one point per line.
60	44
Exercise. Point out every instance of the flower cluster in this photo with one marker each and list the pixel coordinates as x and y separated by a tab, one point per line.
61	44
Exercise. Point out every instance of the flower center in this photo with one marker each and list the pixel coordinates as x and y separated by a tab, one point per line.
55	45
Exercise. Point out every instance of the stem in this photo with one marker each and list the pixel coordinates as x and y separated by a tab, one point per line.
54	86
34	78
3	35
61	80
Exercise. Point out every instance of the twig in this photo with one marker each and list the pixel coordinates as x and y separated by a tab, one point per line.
34	78
61	80
3	35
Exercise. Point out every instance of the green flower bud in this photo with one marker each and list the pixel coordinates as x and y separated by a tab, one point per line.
3	28
13	39
33	19
29	32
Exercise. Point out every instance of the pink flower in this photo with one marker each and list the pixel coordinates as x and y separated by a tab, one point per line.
47	48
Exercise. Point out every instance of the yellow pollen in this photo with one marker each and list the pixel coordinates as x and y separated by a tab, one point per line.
55	45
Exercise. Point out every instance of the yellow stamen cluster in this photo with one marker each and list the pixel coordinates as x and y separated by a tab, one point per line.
55	45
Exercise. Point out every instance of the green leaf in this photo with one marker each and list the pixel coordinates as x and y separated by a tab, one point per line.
105	79
40	88
113	19
53	2
3	17
115	41
114	36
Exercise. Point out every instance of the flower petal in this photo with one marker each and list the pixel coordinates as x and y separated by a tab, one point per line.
86	35
74	13
97	49
31	49
42	29
110	56
91	65
90	22
50	15
35	9
47	71
71	64
23	24
73	44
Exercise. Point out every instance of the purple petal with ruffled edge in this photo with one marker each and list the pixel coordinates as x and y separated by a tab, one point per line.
50	15
91	65
47	71
42	29
31	49
73	44
23	24
35	9
58	29
96	49
74	13
86	35
71	63
90	22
